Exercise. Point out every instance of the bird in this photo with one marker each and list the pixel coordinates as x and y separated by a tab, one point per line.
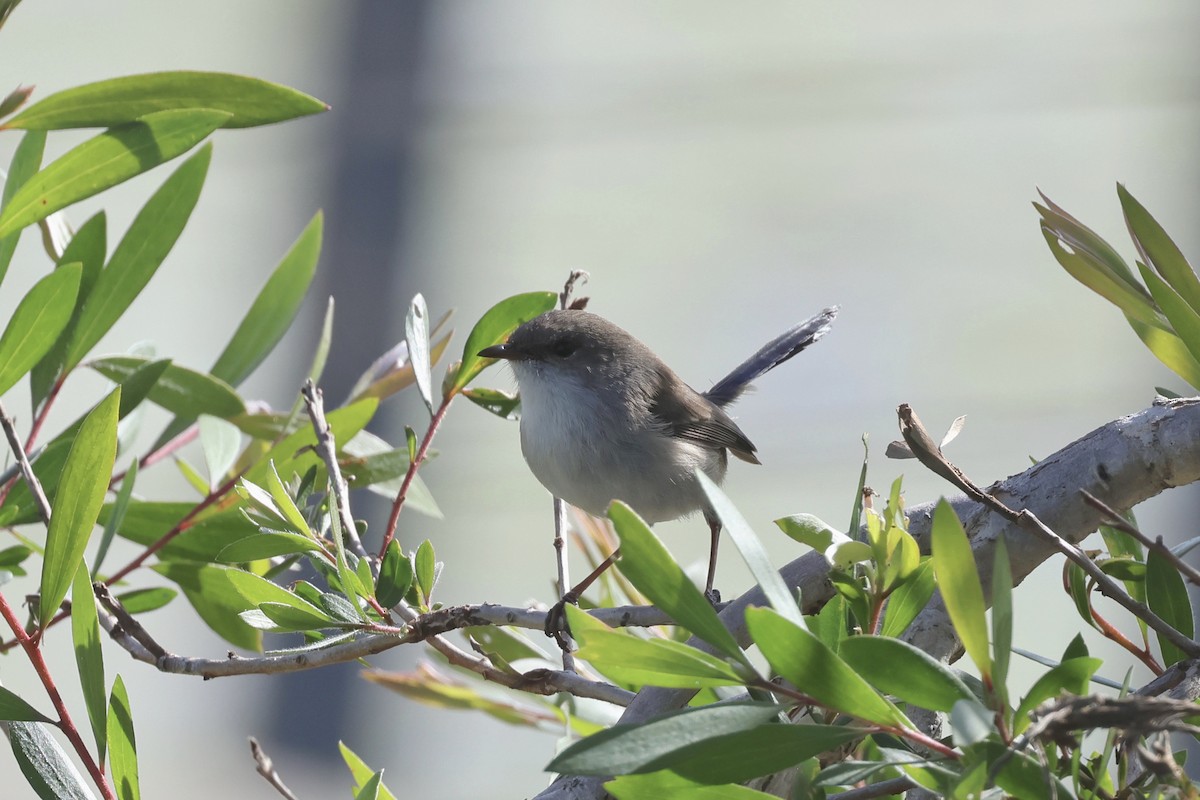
603	418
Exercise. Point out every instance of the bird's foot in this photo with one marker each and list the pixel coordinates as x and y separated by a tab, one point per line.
556	621
713	597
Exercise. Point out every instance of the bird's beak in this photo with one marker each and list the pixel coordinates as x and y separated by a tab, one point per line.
505	351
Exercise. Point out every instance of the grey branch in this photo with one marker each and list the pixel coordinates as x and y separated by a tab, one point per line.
1124	463
35	486
326	448
265	767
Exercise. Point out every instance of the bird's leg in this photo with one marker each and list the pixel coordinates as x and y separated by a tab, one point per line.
714	527
560	558
556	618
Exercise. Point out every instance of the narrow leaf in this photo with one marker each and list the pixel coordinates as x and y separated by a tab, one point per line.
1169	349
1183	318
506	405
656	662
13	708
624	749
897	668
1158	250
494	327
180	390
85	632
139	254
1072	675
246	101
777	592
1168	597
110	158
908	600
77	503
207	588
665	785
958	579
425	566
1002	618
289	618
265	545
122	745
46	767
26	161
800	657
36	323
220	441
395	576
273	310
652	570
285	503
416	334
361	772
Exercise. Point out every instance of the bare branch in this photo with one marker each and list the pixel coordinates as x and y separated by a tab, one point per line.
1115	520
326	448
265	767
31	480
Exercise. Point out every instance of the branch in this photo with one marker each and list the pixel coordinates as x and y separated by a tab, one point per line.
1124	462
327	450
35	487
264	766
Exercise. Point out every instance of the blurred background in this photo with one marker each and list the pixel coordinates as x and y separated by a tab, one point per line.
722	174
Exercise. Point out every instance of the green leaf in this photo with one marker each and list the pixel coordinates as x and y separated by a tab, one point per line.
246	101
180	390
48	769
1072	675
1087	243
830	623
216	601
139	254
395	576
1094	275
85	633
274	309
908	600
506	405
1168	597
370	789
493	328
369	463
105	160
416	335
255	591
1169	349
1158	250
122	745
656	662
1002	618
88	247
140	601
77	504
285	503
1183	318
781	598
650	568
290	618
764	750
361	772
265	545
958	579
13	708
296	454
624	749
393	371
808	529
221	442
26	161
897	668
425	569
666	785
800	657
35	325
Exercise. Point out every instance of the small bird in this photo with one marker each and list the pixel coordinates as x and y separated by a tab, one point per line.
603	418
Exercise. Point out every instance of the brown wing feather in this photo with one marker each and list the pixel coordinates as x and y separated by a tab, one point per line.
689	415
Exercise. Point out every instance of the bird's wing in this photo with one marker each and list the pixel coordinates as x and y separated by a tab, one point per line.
687	414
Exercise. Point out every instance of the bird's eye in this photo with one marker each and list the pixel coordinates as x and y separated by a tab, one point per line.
564	347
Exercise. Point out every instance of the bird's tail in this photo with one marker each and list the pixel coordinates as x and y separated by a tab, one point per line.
772	354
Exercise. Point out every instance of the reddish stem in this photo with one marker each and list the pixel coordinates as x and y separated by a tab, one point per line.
186	437
1110	632
40	417
402	495
64	718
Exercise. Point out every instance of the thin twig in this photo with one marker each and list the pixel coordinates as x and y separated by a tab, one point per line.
402	495
327	449
35	486
1156	544
931	456
266	767
564	575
